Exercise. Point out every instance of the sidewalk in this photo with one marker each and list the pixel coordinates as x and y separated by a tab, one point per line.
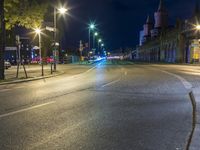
34	72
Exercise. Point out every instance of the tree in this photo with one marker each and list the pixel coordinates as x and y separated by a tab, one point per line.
2	39
26	13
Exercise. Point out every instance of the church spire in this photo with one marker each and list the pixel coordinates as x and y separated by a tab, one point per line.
148	20
161	6
196	11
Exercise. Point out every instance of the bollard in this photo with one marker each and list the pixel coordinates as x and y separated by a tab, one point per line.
51	68
42	69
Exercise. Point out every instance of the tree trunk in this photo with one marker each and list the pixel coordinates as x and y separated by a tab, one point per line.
2	39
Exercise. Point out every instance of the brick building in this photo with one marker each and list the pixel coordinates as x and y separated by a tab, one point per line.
160	42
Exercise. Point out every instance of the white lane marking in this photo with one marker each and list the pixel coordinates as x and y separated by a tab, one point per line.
25	109
93	68
186	84
5	90
110	83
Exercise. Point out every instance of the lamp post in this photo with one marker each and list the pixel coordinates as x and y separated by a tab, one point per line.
91	27
61	10
38	32
99	42
94	36
198	27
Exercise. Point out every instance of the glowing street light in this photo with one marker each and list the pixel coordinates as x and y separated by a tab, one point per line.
62	10
38	31
94	36
198	27
99	41
91	27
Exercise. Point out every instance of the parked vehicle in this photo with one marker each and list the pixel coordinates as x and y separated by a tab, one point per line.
7	64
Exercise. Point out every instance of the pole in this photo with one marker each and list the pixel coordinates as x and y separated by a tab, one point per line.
98	47
89	39
55	34
2	40
93	41
40	46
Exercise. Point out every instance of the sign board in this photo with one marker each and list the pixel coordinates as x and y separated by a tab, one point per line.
10	48
50	29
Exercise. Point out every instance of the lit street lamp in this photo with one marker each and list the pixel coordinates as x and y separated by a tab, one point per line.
38	32
62	11
198	27
91	27
99	42
94	36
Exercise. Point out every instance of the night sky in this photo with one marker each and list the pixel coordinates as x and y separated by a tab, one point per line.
119	21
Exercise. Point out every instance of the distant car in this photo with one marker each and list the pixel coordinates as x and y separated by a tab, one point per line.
7	64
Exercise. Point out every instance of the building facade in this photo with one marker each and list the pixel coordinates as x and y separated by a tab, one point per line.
160	42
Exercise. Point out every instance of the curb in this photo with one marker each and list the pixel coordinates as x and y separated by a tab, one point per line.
39	78
193	142
31	79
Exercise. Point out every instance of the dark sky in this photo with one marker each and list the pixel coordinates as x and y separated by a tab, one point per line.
119	21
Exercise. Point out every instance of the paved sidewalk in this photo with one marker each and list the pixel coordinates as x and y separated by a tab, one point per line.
34	72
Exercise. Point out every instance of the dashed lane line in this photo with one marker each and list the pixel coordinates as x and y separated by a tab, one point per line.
5	90
111	83
25	109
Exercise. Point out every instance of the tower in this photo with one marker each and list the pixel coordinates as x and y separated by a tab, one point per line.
161	16
196	10
148	27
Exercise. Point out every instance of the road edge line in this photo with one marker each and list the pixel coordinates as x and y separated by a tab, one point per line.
194	118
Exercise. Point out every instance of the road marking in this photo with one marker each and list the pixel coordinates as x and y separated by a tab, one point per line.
186	84
25	109
110	83
5	90
93	68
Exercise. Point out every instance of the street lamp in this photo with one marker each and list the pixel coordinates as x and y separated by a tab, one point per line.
198	27
91	27
94	36
99	42
62	11
38	31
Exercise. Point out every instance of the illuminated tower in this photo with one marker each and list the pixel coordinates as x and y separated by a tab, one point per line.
148	27
161	16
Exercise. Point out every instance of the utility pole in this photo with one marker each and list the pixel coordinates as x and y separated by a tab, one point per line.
2	39
55	38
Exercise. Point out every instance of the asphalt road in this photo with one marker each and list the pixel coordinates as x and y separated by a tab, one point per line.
110	107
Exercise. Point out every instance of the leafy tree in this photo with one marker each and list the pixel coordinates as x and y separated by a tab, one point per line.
25	13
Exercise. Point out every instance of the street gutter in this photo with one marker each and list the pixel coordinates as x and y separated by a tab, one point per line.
194	141
31	79
93	66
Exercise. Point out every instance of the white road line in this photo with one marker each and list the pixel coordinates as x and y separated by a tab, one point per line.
110	83
25	109
186	84
5	90
93	67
